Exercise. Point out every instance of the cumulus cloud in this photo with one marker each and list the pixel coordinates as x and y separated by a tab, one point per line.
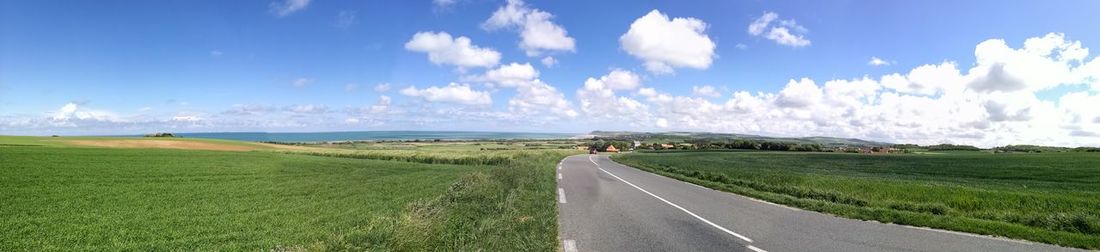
598	100
876	61
453	93
988	104
705	90
549	61
784	32
302	82
538	34
287	7
511	75
664	43
382	87
533	96
443	49
74	112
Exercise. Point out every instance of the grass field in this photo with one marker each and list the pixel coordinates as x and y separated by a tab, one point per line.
64	195
1051	197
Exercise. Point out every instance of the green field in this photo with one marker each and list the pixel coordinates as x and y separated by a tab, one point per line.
58	196
1051	197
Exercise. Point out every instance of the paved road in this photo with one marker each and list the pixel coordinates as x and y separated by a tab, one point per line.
605	206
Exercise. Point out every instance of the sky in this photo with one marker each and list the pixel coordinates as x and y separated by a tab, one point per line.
985	73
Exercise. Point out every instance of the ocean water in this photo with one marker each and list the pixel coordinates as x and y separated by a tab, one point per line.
373	135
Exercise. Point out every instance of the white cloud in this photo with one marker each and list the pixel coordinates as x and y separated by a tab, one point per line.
599	102
382	87
665	43
615	80
1043	63
933	103
345	19
533	96
443	3
927	80
876	61
249	110
302	82
741	46
511	75
705	90
662	123
307	109
73	112
182	118
216	54
452	93
549	61
443	49
799	94
351	87
538	34
783	32
287	7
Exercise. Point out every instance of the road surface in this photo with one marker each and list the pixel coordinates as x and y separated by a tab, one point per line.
605	206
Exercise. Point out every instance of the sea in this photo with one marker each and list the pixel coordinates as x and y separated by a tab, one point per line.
373	135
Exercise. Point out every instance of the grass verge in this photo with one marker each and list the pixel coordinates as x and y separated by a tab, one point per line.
1051	198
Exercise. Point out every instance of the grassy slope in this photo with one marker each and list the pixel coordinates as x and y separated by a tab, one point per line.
116	198
1052	198
131	199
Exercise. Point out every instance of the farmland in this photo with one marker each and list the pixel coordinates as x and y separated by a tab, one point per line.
1051	197
63	194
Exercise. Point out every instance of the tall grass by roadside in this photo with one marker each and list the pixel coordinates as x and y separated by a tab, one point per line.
1052	198
61	197
504	208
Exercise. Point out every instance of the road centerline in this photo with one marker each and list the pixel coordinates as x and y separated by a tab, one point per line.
704	220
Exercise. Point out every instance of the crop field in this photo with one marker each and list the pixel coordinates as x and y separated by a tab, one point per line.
1049	197
59	194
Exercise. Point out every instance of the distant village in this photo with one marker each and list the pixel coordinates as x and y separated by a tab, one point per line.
616	146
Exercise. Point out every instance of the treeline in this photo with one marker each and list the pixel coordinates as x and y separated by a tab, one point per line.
602	144
701	144
952	147
1040	149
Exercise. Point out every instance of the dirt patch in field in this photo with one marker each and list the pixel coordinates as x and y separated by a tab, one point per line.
163	144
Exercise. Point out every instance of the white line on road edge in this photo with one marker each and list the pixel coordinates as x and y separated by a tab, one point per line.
569	246
667	202
561	195
559	176
754	248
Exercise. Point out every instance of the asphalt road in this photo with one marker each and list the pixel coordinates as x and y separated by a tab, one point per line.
605	206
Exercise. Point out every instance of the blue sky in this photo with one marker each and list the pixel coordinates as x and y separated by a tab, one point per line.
125	67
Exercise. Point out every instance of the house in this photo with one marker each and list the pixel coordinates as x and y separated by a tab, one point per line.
611	148
667	146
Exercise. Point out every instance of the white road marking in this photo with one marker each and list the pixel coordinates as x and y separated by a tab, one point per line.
559	176
569	246
667	202
754	248
561	195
